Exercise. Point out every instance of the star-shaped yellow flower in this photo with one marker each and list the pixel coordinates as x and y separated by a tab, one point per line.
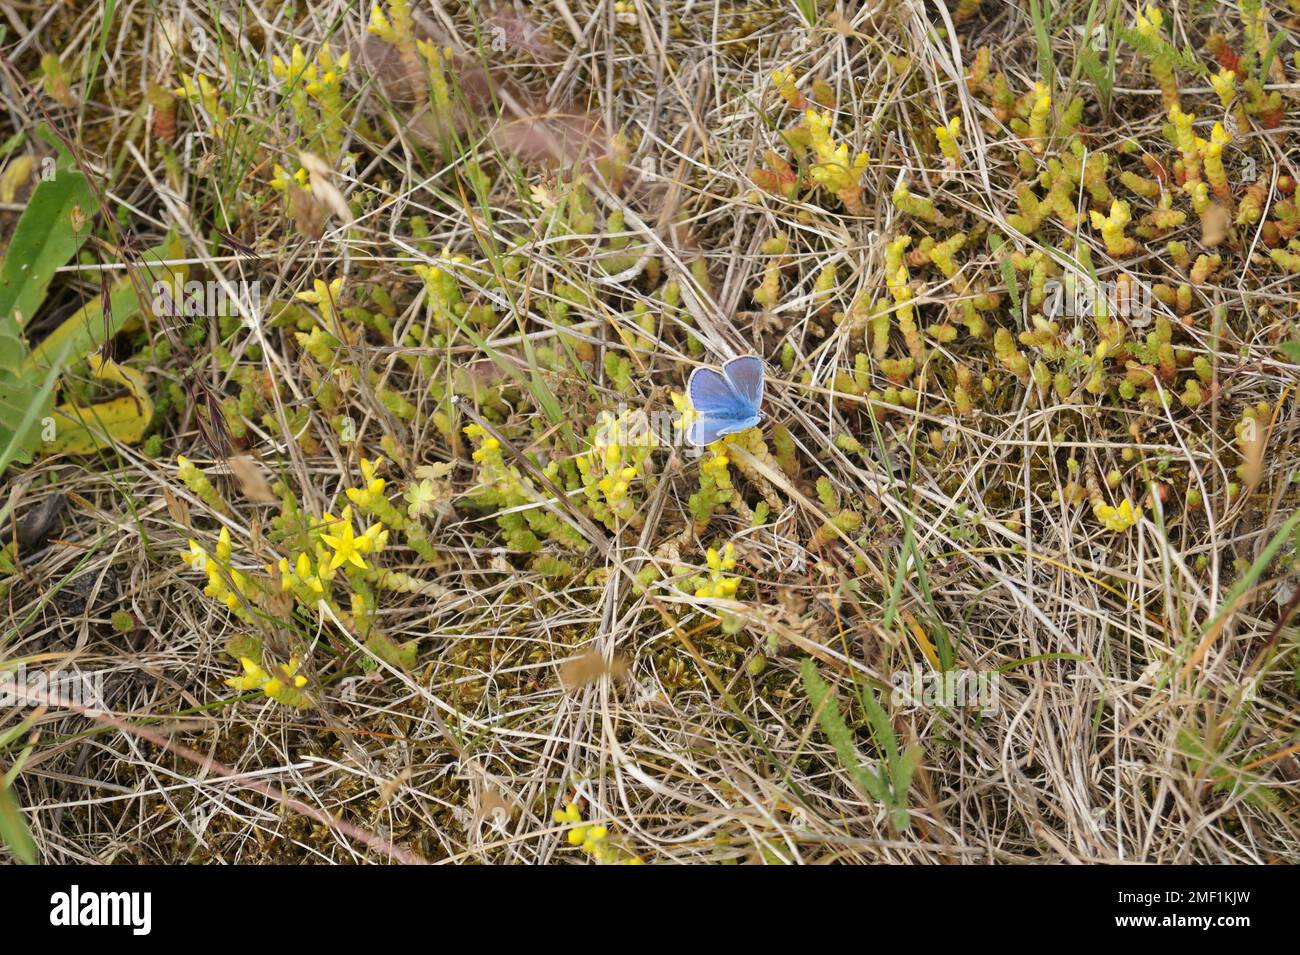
344	545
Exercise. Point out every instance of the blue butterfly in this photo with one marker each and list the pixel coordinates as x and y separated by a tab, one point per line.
726	402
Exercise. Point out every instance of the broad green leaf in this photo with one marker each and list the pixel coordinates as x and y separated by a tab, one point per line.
86	329
25	400
12	354
84	430
16	174
44	240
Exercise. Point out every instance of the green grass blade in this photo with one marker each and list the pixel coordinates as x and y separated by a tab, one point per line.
13	827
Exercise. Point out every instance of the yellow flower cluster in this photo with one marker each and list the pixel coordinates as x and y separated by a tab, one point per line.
323	549
319	81
620	448
592	839
371	496
318	78
198	89
716	487
371	500
347	546
717	583
301	576
714	467
283	684
1117	518
373	493
337	546
282	179
225	583
399	31
488	453
686	411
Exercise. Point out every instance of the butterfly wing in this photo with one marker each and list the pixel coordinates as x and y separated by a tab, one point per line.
711	393
721	407
706	430
745	375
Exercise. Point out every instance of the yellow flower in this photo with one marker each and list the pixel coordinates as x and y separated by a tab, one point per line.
593	839
716	465
345	544
296	66
369	470
1118	518
718	584
286	575
287	675
729	556
223	544
379	25
569	814
833	170
1150	24
305	576
321	292
196	557
253	678
285	678
281	180
785	85
373	539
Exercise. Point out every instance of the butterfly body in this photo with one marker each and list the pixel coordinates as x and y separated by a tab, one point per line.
726	402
